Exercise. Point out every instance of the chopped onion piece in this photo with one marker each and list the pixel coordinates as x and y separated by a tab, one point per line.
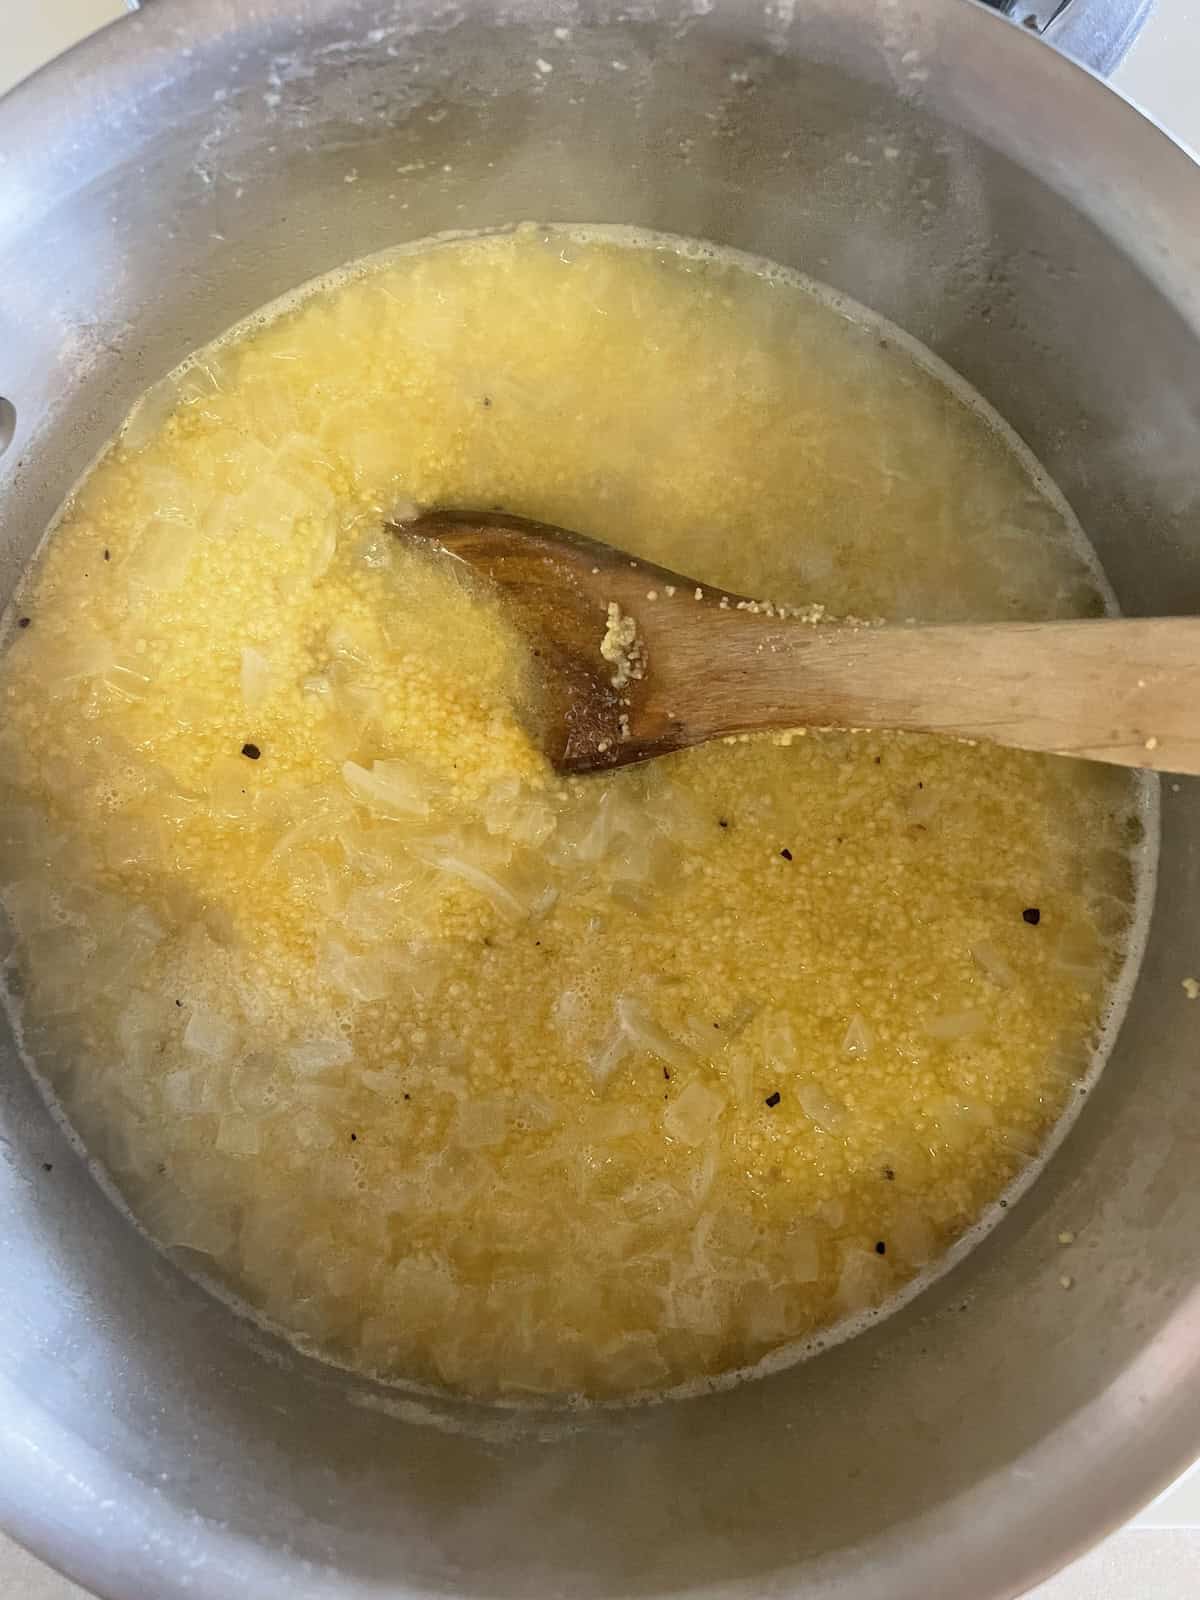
311	1131
229	793
126	682
676	816
391	788
779	1041
200	380
768	1312
829	1115
365	977
388	1082
534	1114
147	417
739	1019
255	678
318	686
345	645
738	1065
1078	953
645	1034
614	1122
989	959
523	818
605	1061
568	1010
318	1055
324	548
238	1136
693	1114
176	1219
858	1039
800	1248
375	550
168	493
68	663
255	1085
591	831
861	1282
961	1121
500	895
480	1123
210	1034
159	562
274	505
912	1237
955	1024
695	1305
634	1361
183	1091
705	1175
142	1029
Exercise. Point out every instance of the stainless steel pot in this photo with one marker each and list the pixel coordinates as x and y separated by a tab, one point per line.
197	160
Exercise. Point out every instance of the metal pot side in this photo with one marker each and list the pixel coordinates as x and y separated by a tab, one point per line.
197	160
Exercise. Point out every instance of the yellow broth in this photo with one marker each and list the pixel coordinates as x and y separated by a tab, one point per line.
460	1073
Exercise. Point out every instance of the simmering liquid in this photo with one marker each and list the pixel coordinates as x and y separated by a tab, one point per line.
455	1071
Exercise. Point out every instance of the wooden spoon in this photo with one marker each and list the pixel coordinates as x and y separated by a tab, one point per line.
699	663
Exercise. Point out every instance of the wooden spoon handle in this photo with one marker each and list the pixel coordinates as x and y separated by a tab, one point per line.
1119	690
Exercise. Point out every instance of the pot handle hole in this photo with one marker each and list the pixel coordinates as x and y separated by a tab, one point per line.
8	423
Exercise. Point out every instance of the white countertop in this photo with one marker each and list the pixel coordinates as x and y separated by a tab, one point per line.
1157	1556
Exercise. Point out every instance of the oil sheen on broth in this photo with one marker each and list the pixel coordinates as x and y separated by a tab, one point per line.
460	1073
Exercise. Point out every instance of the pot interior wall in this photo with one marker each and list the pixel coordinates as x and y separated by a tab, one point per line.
150	198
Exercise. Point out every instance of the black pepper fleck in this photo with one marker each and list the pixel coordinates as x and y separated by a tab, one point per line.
487	400
773	1099
880	1248
1032	916
252	751
786	854
722	822
408	1097
47	1166
179	1002
107	556
23	622
889	1174
666	1074
353	1138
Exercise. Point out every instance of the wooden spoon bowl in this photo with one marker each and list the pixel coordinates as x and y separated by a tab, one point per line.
636	661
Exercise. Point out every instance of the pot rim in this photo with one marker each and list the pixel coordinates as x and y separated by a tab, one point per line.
124	1538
